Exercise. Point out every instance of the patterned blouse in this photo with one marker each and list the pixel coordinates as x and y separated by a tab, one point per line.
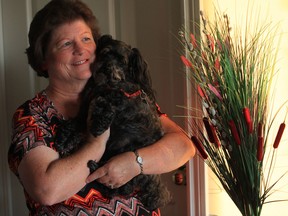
34	124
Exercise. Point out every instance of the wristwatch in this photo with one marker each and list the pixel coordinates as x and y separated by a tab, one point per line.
139	160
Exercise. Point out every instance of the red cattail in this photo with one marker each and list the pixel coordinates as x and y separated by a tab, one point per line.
228	43
219	45
217	64
211	132
215	137
199	147
234	132
260	148
186	61
248	120
260	129
211	42
215	91
204	58
193	41
201	92
208	127
279	135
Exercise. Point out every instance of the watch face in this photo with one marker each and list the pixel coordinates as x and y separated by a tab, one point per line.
139	160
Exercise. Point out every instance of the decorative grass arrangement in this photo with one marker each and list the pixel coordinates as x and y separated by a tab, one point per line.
233	76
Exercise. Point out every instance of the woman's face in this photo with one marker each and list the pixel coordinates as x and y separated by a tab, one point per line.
70	52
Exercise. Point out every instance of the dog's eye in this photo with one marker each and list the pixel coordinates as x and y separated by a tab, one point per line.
104	51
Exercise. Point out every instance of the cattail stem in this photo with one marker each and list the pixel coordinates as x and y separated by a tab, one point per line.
208	127
199	147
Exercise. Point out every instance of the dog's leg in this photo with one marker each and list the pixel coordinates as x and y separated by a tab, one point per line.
68	138
100	117
93	165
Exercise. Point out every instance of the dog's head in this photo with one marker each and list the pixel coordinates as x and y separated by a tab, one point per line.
117	62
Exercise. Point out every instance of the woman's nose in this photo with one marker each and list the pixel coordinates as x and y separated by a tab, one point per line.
78	48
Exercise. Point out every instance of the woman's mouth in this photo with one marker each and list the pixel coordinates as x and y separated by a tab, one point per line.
79	62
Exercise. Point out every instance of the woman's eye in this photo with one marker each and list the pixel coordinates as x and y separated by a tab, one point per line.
67	43
86	39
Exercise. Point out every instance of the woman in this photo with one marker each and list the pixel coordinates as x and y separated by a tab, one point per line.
62	41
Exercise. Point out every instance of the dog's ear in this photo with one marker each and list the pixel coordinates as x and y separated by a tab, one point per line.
138	70
103	44
104	39
140	74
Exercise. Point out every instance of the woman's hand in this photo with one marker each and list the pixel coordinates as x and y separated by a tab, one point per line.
170	152
117	171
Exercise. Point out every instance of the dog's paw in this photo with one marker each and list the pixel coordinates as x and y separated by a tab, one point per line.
100	117
67	138
92	165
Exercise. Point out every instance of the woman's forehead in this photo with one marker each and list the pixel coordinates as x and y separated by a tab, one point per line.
77	27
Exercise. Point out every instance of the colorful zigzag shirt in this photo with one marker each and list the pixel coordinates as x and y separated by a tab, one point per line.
34	124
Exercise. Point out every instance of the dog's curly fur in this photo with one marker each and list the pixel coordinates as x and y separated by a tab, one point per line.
120	96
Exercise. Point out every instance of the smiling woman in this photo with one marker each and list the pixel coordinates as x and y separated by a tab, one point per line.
70	52
62	45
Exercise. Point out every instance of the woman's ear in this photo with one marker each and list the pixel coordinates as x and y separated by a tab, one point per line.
44	66
43	70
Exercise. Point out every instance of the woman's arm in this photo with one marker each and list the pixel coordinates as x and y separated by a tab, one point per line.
172	151
49	179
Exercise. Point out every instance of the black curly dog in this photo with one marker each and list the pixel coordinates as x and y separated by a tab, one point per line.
120	96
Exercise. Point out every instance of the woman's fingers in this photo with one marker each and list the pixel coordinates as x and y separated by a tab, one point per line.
116	172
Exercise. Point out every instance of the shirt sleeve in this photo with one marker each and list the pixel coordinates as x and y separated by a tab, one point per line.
160	113
28	132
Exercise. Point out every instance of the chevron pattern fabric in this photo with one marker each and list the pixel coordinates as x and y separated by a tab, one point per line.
35	123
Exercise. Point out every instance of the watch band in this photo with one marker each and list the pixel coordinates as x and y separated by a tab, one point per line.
139	160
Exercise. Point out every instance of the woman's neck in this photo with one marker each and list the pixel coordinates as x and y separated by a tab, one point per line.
66	102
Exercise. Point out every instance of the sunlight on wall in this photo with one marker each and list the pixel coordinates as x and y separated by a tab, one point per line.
275	11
